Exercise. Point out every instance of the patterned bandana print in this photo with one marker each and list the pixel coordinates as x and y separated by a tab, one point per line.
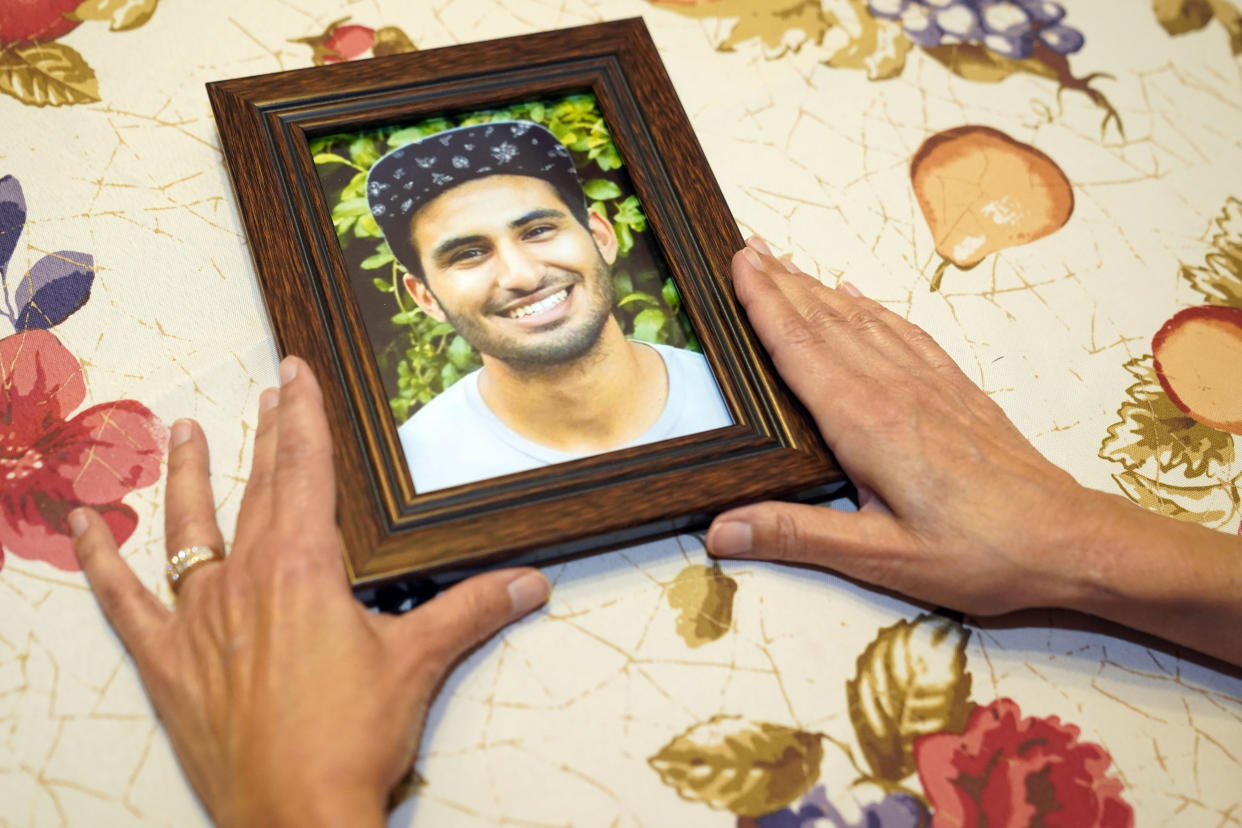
404	180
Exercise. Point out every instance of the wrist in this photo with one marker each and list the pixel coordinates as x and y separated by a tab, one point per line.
300	805
1173	579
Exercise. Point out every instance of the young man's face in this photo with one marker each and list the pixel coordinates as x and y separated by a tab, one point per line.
513	271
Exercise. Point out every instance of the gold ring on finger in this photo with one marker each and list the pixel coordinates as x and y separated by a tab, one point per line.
181	562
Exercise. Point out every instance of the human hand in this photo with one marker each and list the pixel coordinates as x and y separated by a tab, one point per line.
284	698
956	506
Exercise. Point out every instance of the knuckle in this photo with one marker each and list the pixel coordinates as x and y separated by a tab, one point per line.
789	538
863	320
185	529
301	450
184	458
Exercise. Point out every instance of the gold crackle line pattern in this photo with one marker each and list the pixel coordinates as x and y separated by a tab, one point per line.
553	724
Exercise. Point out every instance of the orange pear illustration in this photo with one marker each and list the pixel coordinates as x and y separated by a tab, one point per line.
982	191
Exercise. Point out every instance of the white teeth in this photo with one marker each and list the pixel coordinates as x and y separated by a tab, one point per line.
547	303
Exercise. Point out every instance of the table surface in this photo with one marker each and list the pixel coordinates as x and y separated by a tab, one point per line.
654	690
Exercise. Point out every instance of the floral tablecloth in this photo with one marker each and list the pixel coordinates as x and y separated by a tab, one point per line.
1097	297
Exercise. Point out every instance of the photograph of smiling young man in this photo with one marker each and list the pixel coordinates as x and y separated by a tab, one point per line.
491	223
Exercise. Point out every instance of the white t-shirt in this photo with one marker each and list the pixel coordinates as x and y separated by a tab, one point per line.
456	438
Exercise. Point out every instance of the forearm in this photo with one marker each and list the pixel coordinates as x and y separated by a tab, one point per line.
1176	580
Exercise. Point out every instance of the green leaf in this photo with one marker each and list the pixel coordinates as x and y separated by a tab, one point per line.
461	355
630	212
622	283
403	318
351	208
639	298
670	295
364	151
378	259
449	374
325	158
366	228
909	682
625	239
382	285
648	325
599	189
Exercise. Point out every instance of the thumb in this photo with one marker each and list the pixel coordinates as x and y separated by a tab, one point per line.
459	619
859	544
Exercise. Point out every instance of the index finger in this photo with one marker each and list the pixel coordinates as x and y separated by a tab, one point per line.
795	343
304	481
132	609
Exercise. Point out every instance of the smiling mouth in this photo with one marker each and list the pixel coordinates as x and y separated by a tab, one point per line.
544	304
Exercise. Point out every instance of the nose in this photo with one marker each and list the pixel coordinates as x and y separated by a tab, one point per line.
520	272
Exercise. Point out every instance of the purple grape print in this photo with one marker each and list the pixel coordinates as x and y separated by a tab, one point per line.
1008	27
989	40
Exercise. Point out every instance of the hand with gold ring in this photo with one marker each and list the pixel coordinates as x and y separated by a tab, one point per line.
284	698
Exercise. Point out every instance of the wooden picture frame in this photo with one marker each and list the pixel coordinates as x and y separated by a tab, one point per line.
391	531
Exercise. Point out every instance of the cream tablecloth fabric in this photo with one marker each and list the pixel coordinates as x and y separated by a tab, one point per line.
653	690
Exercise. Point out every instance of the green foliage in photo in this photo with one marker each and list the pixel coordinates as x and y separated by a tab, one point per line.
420	357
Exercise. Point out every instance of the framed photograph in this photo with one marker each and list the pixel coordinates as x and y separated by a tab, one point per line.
508	263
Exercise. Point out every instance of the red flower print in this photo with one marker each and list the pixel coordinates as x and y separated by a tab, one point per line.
35	21
348	42
1009	772
50	465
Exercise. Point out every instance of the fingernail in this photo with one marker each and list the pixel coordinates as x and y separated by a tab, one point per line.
753	258
730	538
288	370
789	265
269	399
848	288
527	592
759	244
78	523
181	431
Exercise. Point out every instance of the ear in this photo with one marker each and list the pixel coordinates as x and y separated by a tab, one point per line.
422	294
605	237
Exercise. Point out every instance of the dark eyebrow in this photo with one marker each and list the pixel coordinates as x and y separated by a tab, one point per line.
448	245
536	215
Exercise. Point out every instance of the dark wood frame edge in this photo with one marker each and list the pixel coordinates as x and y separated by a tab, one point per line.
389	531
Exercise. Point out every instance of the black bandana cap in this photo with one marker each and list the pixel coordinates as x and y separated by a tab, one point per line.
403	181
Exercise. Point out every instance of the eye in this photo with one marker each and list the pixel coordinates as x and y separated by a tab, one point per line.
538	231
466	255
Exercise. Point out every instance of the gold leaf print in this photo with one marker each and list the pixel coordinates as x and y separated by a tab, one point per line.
1181	16
975	63
390	40
749	768
122	15
1213	506
910	681
47	74
1220	281
704	596
769	20
1228	14
1160	431
876	45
